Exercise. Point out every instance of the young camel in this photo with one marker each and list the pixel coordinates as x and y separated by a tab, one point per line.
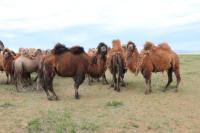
153	59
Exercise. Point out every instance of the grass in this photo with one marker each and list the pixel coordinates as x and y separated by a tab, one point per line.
103	110
34	125
89	126
114	103
6	105
55	121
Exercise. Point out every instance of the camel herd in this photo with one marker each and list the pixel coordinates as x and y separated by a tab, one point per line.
76	63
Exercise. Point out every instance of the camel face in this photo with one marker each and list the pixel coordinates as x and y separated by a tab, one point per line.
130	48
102	50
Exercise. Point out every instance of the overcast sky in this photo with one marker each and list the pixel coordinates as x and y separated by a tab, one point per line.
42	23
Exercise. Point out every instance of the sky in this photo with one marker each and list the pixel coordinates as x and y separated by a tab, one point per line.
43	23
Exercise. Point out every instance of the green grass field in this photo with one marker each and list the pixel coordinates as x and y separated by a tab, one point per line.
102	110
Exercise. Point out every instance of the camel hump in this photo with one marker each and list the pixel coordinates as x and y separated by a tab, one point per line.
165	46
77	50
148	45
59	49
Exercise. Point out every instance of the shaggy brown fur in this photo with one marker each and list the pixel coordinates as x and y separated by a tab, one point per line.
1	62
97	66
8	64
156	59
23	67
132	55
65	62
91	52
116	64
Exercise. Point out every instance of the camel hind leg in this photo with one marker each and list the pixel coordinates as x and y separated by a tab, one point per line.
78	80
170	78
104	78
53	92
178	79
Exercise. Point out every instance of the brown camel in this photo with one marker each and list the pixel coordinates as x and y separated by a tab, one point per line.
65	62
97	66
116	64
153	59
8	59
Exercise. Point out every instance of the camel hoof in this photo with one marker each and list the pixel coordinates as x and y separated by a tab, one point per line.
77	97
176	90
106	83
56	98
51	98
115	88
123	85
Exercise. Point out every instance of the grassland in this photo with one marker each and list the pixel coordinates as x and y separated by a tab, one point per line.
102	110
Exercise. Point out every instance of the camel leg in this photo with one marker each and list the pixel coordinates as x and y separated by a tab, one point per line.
16	82
7	75
29	79
78	79
178	78
146	86
123	84
35	78
114	82
118	83
53	92
150	88
170	78
89	80
92	80
147	77
104	78
38	84
47	93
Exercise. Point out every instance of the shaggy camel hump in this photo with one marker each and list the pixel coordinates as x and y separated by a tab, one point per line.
164	46
60	48
149	45
76	50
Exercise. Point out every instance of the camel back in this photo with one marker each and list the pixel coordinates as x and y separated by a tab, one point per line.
60	48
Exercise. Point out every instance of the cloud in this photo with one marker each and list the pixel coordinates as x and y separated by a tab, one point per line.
8	35
115	15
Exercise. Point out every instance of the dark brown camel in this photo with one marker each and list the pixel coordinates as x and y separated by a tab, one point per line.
97	66
65	62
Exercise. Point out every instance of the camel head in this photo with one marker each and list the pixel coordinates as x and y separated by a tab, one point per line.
102	49
37	53
1	46
7	54
92	52
149	45
116	45
131	47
